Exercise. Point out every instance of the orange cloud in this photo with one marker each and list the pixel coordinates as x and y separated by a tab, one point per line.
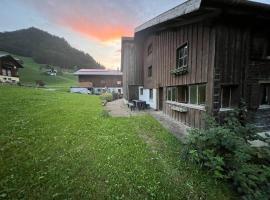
97	31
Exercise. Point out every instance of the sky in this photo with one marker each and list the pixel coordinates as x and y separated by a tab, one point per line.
93	26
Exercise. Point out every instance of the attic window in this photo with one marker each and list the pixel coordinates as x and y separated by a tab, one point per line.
150	49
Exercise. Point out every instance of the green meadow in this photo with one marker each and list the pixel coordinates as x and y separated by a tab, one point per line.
56	145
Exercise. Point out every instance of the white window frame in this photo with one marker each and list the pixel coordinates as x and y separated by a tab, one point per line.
197	91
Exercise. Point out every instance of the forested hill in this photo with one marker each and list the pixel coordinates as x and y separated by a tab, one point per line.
45	48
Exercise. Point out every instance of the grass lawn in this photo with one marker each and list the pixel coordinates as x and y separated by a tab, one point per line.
56	145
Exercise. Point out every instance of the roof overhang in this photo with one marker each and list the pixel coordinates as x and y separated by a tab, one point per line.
182	9
11	59
193	8
97	72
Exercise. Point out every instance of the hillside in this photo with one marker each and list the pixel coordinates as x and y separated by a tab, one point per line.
33	71
45	48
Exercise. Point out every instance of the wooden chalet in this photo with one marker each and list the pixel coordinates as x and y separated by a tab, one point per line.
9	67
202	56
100	80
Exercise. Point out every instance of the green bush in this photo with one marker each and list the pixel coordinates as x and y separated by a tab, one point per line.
106	97
225	151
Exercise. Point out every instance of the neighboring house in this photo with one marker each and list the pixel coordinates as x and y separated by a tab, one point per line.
100	80
9	67
202	56
52	72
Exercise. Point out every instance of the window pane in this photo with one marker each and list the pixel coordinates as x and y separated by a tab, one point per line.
186	50
193	94
181	62
169	94
201	94
185	61
265	96
181	53
141	91
181	56
182	94
225	97
151	93
173	94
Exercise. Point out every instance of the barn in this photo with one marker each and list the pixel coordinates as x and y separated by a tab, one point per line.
100	80
203	56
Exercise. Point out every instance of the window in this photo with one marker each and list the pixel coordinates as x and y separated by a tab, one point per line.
197	94
4	72
229	96
182	92
141	91
150	49
169	94
150	71
226	96
174	94
193	94
177	94
102	82
151	94
182	57
265	94
9	72
201	94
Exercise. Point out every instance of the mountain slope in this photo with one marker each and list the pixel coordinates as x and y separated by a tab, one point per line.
45	48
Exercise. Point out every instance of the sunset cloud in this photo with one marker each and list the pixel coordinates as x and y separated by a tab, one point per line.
98	19
93	26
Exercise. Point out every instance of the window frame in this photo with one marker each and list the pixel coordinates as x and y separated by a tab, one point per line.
184	57
197	94
175	97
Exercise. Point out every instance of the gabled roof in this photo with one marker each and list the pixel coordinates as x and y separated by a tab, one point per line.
184	8
105	72
9	57
191	6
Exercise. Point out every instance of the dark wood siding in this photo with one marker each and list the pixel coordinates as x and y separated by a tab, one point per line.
201	53
101	81
132	68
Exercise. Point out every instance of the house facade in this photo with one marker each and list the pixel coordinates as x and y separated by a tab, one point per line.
204	56
100	80
9	69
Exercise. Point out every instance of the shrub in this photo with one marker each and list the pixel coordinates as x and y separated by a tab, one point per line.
106	97
225	151
115	95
